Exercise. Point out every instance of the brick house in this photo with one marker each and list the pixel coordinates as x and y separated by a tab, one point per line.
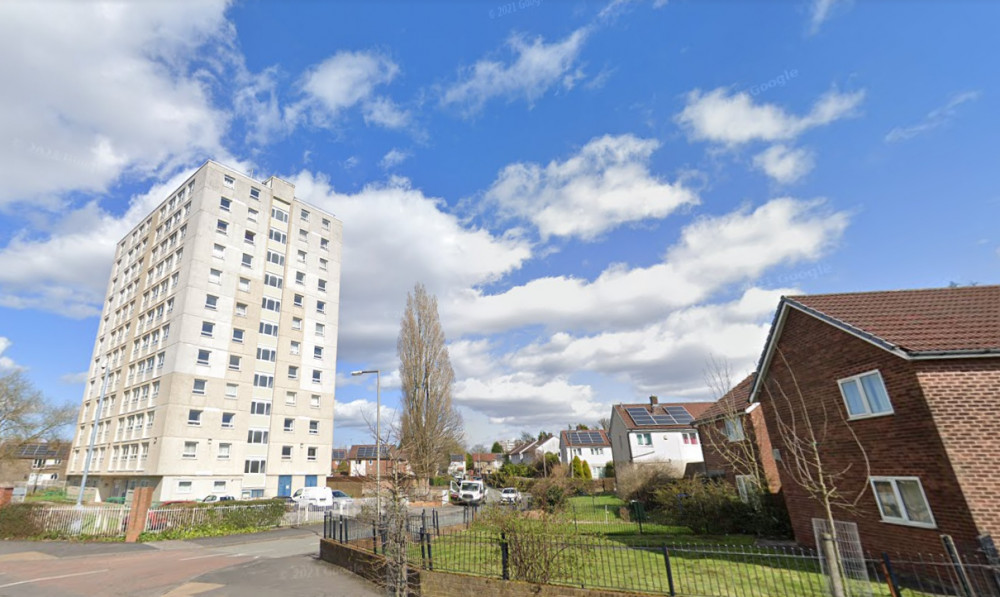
486	462
734	426
363	459
34	465
914	375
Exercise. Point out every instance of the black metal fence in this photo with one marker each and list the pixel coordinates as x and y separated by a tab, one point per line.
445	540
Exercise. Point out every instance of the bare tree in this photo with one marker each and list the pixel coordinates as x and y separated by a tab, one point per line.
26	415
733	440
430	427
807	447
604	423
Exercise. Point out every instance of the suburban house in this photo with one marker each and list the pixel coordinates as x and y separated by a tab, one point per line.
362	458
735	443
907	380
486	462
35	465
592	447
456	465
530	452
657	433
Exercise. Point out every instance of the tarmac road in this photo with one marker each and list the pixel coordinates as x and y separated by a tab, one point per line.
281	562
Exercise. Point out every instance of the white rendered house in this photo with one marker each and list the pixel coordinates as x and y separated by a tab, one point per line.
592	447
657	433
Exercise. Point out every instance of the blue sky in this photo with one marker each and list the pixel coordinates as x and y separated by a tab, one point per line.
601	195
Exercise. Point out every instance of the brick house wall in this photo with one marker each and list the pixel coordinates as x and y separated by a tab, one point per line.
755	431
964	398
813	355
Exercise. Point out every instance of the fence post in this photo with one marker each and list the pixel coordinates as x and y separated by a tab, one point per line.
833	565
890	575
423	518
504	557
423	550
670	573
430	554
956	560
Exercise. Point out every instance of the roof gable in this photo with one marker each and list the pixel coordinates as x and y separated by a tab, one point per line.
735	400
695	409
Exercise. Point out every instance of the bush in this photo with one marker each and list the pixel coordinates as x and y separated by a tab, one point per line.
17	521
705	507
609	470
551	494
443	481
537	548
640	481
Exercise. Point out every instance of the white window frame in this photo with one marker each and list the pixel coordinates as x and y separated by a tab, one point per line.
733	427
745	485
856	379
641	439
905	521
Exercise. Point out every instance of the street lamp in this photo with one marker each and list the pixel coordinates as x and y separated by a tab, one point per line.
93	435
378	438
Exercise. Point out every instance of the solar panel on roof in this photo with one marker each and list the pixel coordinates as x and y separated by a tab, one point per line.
366	452
672	415
585	438
640	415
681	414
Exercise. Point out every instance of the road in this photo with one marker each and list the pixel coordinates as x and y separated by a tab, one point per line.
280	562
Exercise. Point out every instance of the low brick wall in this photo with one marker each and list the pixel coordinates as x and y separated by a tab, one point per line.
424	583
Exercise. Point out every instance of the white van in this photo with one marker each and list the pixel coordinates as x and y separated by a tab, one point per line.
313	496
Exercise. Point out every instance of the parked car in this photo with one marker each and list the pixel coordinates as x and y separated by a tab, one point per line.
510	495
472	492
217	498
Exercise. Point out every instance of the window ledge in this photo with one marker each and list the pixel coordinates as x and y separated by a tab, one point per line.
907	523
871	416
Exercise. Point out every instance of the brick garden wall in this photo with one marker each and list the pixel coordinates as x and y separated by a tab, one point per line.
905	443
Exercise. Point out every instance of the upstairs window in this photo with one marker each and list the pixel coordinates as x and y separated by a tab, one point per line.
734	429
865	395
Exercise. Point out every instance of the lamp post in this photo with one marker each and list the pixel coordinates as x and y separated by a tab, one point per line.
93	435
378	438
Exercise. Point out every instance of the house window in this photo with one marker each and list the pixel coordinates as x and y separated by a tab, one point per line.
286	452
304	215
224	451
320	307
300	277
746	486
322	285
277	235
218	251
314	401
293	372
222	226
252	215
211	302
215	276
219	486
317	376
262	380
228	420
311	453
238	336
248	237
690	437
296	323
194	417
279	214
229	181
275	257
207	329
254	193
317	352
232	390
323	263
313	427
234	362
865	395
294	348
290	398
257	436
272	280
326	224
199	386
190	450
225	204
266	354
902	500
244	285
260	408
320	329
644	439
184	486
270	304
734	429
255	466
297	300
268	329
247	260
302	256
324	244
289	424
203	356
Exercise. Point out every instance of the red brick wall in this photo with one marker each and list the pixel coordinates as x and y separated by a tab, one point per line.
755	431
964	397
905	443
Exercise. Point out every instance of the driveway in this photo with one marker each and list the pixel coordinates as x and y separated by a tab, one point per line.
280	562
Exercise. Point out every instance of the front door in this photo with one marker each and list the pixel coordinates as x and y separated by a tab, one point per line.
310	480
284	485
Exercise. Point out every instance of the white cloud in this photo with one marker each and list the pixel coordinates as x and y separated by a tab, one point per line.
102	89
521	399
732	119
820	11
713	252
6	363
535	68
785	164
394	237
74	378
343	81
935	118
360	414
606	184
393	158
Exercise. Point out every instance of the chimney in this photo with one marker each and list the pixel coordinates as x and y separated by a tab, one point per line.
653	400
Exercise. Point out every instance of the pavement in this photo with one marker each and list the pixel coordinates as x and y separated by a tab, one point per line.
278	562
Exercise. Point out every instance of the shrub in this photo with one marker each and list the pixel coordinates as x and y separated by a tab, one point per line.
705	507
18	521
587	474
443	481
552	494
539	550
609	470
640	481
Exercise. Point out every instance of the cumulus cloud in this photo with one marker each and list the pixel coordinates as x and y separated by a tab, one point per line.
359	415
731	119
6	363
126	99
934	119
343	81
785	164
393	158
606	184
523	400
820	11
713	252
73	379
534	68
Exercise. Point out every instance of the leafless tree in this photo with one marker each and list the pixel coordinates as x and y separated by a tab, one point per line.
26	415
604	423
804	431
430	427
737	446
